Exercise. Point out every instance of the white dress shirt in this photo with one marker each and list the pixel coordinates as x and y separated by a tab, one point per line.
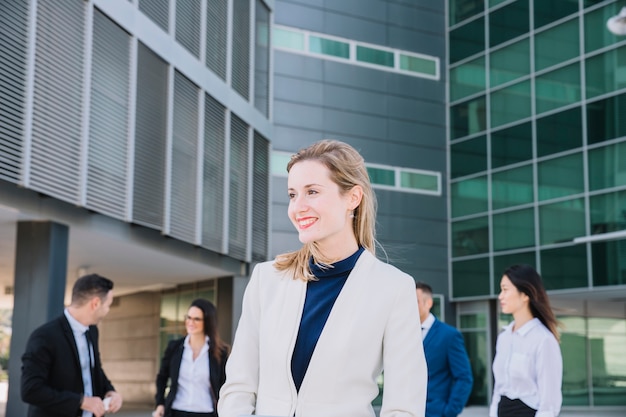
194	388
528	366
427	324
84	352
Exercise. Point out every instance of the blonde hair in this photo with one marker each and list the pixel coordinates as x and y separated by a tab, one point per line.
347	170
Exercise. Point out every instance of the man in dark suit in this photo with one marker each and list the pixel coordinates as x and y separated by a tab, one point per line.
61	371
450	377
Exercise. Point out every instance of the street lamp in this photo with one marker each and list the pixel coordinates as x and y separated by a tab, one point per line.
617	23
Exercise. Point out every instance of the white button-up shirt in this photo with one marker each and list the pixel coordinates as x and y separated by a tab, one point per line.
194	387
79	330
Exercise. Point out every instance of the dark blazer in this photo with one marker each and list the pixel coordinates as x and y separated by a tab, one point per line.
450	377
170	365
52	381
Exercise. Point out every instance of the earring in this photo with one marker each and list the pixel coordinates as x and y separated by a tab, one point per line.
352	215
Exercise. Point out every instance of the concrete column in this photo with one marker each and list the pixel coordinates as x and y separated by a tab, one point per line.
39	290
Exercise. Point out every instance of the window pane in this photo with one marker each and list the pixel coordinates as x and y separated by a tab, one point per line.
511	145
510	104
468	196
382	176
605	119
512	187
419	181
467	40
574	348
468	117
607	259
329	47
608	212
417	64
468	157
607	166
512	230
606	72
560	177
549	11
284	38
374	56
595	20
556	44
562	221
476	346
467	79
502	262
278	163
469	278
463	9
559	132
508	22
608	364
509	63
558	88
470	237
564	267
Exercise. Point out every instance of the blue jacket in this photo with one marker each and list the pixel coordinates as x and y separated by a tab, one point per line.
450	377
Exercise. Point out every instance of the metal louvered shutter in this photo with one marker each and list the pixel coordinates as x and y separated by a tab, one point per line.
188	25
213	175
13	47
150	139
158	11
216	36
260	198
262	58
57	101
238	198
241	48
108	124
184	160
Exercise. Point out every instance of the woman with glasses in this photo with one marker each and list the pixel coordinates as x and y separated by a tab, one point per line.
194	365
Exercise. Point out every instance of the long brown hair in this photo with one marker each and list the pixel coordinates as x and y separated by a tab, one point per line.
209	313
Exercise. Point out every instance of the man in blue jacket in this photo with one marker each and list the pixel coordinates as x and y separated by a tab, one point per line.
450	377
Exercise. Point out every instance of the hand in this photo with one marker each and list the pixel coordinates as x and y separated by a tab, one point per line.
116	402
93	405
159	411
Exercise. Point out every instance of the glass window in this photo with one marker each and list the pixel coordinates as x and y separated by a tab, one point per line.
476	347
607	260
608	213
562	221
514	229
467	79
463	9
468	157
564	267
607	166
374	56
512	187
495	2
511	145
556	44
278	163
418	64
510	104
575	387
382	176
508	22
468	196
559	132
470	278
608	366
468	117
329	47
549	11
558	88
509	63
560	177
606	72
419	181
470	237
467	40
605	119
502	262
290	39
596	34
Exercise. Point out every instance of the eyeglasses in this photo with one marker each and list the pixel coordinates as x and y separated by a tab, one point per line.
194	319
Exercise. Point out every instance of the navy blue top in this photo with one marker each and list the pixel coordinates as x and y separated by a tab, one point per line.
320	298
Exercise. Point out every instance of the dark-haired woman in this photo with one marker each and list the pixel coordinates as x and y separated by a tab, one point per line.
194	365
528	367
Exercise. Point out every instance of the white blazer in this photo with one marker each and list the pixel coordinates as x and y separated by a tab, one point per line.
374	323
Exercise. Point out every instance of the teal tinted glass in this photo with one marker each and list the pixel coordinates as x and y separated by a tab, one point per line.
329	47
607	166
564	267
509	63
495	2
574	349
605	119
596	19
467	79
512	187
468	117
473	321
468	196
606	343
550	11
514	229
470	278
558	88
508	22
382	176
608	212
374	56
467	40
468	157
510	104
556	44
562	221
419	65
284	38
607	262
511	145
502	262
278	163
606	72
470	237
419	181
559	132
560	177
463	9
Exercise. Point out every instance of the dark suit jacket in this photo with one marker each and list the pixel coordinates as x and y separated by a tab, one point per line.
450	377
170	365
52	381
